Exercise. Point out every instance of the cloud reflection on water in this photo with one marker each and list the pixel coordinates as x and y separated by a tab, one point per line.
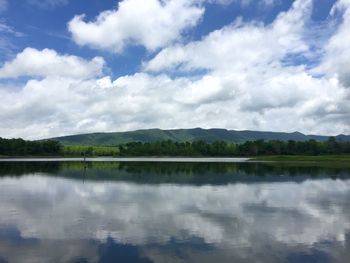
240	221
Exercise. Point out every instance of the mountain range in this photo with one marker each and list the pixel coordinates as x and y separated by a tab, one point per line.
184	135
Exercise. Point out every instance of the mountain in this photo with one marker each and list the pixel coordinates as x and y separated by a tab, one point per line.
183	135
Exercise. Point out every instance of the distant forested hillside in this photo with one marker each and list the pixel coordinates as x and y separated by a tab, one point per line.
186	135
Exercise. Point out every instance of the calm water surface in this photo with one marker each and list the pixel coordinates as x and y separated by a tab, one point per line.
173	212
132	159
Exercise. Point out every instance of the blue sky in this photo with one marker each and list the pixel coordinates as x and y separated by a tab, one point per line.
72	66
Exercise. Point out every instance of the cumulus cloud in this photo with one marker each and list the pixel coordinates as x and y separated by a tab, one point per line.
250	57
150	23
235	77
47	62
58	106
337	53
239	46
76	106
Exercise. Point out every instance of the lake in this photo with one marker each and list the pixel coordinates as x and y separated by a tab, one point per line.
140	211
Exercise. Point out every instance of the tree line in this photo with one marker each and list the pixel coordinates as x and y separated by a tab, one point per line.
310	147
248	148
20	147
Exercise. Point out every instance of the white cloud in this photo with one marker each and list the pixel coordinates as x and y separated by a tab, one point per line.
337	52
244	84
227	2
57	105
60	106
151	23
47	62
245	3
240	46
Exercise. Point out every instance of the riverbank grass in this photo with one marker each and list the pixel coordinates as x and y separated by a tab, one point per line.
304	158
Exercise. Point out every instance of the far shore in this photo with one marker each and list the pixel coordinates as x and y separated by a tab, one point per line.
304	158
126	159
274	158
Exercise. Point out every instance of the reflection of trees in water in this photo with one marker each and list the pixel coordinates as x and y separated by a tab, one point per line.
176	168
22	168
191	173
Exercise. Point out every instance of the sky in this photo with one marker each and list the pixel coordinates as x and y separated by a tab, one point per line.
81	66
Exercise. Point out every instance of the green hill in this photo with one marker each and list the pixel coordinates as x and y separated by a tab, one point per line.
183	135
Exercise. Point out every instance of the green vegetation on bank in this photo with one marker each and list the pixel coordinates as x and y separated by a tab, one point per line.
20	147
274	149
249	148
305	158
170	148
79	150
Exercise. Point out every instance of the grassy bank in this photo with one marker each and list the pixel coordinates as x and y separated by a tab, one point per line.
304	158
93	151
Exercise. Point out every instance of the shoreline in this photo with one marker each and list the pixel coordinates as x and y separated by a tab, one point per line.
304	158
129	159
184	159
